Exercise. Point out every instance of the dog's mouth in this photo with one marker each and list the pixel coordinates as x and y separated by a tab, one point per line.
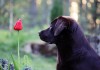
48	41
51	42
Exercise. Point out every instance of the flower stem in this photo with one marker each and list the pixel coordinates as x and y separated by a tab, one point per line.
18	51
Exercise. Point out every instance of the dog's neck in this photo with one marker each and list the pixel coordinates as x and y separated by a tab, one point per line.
71	45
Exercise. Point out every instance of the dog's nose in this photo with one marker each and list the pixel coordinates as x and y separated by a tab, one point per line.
40	33
42	36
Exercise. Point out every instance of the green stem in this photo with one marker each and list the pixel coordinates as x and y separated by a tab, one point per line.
18	51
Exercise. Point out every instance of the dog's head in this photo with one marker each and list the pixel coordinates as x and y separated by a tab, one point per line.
59	28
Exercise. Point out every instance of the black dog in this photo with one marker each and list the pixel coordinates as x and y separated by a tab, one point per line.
74	51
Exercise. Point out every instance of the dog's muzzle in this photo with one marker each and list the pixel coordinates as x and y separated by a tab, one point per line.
45	38
42	37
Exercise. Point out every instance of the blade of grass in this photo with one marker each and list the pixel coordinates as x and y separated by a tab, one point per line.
26	59
16	65
0	67
8	66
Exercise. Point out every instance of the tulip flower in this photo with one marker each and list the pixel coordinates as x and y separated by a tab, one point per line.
18	26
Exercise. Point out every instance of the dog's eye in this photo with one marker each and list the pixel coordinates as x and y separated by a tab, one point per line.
50	28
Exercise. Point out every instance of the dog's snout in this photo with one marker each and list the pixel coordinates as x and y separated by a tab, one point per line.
40	33
46	35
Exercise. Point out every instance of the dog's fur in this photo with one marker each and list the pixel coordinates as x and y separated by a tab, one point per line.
74	51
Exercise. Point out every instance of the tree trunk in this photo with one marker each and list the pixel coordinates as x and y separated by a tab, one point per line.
11	16
66	6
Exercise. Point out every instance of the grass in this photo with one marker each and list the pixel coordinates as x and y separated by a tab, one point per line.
8	45
8	40
36	62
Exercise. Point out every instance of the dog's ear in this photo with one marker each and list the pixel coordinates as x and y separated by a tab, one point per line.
59	26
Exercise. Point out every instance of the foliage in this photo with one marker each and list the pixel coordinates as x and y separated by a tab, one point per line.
89	16
26	61
35	62
57	9
16	64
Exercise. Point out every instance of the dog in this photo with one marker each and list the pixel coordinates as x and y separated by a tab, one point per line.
74	51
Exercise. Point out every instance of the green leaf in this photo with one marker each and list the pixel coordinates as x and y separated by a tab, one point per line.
8	66
26	60
0	67
16	64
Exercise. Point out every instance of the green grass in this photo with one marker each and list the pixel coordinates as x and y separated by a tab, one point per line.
8	41
36	62
41	63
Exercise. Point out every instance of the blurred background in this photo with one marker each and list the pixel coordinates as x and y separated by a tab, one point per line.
37	15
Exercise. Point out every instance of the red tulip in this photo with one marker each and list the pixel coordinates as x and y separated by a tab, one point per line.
18	26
